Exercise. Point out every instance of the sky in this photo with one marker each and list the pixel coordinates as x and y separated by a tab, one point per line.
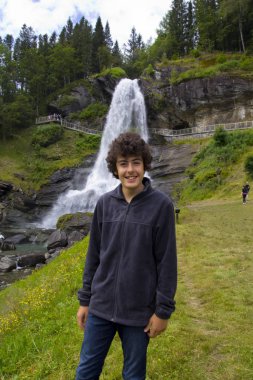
46	16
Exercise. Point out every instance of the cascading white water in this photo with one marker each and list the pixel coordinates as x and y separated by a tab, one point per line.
127	111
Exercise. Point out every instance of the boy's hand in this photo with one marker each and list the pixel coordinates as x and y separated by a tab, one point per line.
82	315
155	326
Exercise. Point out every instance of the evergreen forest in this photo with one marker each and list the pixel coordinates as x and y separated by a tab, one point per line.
34	67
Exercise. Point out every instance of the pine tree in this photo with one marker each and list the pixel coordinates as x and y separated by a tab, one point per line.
207	24
98	40
117	59
134	45
24	50
82	43
63	36
189	29
9	41
69	30
108	37
52	39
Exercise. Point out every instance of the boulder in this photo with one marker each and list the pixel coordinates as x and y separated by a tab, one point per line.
7	263
80	221
7	246
17	239
31	260
5	187
57	239
75	236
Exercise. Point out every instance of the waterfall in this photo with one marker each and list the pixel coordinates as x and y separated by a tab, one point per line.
127	112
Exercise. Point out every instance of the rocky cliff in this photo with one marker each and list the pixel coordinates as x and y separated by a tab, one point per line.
197	102
194	102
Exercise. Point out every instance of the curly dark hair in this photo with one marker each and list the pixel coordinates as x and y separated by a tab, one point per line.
128	144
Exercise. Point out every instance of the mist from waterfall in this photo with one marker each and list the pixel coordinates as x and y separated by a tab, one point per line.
127	112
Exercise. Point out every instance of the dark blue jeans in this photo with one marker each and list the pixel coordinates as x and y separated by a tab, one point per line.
98	337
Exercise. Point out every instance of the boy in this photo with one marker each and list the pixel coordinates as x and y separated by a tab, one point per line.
130	273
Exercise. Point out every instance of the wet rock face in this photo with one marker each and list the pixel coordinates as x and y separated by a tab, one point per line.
169	165
197	102
81	96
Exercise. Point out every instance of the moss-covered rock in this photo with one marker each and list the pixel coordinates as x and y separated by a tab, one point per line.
79	221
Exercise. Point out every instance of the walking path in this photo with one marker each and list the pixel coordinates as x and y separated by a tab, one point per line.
66	124
171	134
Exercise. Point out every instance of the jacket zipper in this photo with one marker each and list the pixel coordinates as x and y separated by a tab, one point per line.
118	267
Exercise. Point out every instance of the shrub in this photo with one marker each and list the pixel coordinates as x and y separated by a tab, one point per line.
195	53
247	64
47	134
220	137
149	70
249	165
115	72
66	100
87	142
221	58
229	65
93	111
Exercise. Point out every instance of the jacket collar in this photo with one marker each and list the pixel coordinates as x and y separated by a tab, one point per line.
117	192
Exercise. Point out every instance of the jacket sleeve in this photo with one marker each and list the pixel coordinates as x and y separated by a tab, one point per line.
92	259
166	261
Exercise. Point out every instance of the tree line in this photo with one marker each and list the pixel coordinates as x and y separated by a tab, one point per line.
33	68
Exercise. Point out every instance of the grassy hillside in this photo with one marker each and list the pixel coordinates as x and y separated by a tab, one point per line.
218	169
20	158
210	335
204	65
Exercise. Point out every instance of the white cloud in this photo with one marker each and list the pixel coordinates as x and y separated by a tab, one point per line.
46	16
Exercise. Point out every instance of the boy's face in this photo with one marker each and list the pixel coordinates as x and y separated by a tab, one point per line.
130	171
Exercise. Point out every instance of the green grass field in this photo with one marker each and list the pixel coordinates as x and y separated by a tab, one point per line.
209	337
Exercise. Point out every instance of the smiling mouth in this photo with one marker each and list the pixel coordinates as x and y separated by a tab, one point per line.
131	177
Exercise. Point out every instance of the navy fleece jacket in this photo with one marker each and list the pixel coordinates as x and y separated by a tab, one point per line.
131	266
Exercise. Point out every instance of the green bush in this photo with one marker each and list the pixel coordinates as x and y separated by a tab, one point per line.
249	165
93	111
47	134
195	53
221	58
87	142
115	72
66	100
220	137
149	70
247	64
230	65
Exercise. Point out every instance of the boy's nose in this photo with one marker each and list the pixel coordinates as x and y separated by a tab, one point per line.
130	167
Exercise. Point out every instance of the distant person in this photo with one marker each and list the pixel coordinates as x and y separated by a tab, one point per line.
244	193
130	274
247	186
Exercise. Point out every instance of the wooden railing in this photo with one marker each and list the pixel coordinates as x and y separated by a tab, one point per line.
66	124
201	131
